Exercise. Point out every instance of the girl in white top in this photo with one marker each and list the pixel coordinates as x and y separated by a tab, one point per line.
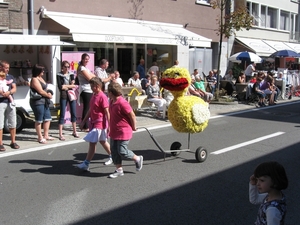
265	187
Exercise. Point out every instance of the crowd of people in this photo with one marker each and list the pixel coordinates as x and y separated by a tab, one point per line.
262	85
259	85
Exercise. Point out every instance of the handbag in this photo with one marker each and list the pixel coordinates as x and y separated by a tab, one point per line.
35	95
72	95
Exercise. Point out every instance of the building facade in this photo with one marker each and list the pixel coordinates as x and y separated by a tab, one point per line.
276	27
158	30
122	31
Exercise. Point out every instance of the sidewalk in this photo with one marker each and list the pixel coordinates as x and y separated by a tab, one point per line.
27	139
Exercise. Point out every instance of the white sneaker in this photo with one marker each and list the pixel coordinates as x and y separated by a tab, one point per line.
83	166
139	164
108	162
116	174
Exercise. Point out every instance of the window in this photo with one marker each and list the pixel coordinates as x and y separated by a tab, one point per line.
284	20
271	18
268	17
203	2
253	9
263	16
296	27
292	34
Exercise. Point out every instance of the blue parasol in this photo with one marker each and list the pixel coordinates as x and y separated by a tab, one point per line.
284	53
245	56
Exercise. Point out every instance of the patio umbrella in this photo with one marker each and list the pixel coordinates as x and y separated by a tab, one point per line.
284	53
245	56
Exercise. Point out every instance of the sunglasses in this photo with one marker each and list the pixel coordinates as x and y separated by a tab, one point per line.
66	66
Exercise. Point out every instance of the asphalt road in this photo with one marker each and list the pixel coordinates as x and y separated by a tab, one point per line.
43	187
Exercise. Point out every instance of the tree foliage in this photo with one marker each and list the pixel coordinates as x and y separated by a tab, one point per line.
229	22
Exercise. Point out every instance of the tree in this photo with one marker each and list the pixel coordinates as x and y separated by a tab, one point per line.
136	9
228	22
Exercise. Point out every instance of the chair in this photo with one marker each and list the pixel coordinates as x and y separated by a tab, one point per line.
241	90
223	84
135	98
252	96
281	84
151	108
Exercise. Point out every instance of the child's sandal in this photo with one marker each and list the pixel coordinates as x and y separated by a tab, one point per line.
75	135
62	138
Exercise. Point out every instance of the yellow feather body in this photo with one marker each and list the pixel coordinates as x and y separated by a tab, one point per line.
181	116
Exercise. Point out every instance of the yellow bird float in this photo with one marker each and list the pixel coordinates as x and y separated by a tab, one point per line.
187	114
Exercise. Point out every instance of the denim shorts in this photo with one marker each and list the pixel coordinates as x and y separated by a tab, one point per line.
41	113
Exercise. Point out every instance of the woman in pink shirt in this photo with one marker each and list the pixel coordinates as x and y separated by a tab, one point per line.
99	117
122	123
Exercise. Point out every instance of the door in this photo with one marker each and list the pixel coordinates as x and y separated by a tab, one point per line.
125	63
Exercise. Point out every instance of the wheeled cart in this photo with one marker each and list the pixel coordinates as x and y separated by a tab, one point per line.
175	149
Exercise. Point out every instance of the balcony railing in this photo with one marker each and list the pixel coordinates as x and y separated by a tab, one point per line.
295	36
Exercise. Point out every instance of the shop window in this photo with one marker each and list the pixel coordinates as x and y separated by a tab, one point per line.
105	53
140	53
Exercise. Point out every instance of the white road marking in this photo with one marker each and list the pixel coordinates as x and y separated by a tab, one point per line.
246	143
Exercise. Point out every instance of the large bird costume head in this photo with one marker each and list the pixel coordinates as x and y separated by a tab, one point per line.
188	114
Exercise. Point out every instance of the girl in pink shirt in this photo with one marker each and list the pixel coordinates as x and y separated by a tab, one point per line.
99	117
122	123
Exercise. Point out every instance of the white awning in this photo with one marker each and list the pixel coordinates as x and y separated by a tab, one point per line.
86	28
277	45
295	47
17	39
257	45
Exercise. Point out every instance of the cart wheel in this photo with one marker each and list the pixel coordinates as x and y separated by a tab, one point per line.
201	154
175	146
